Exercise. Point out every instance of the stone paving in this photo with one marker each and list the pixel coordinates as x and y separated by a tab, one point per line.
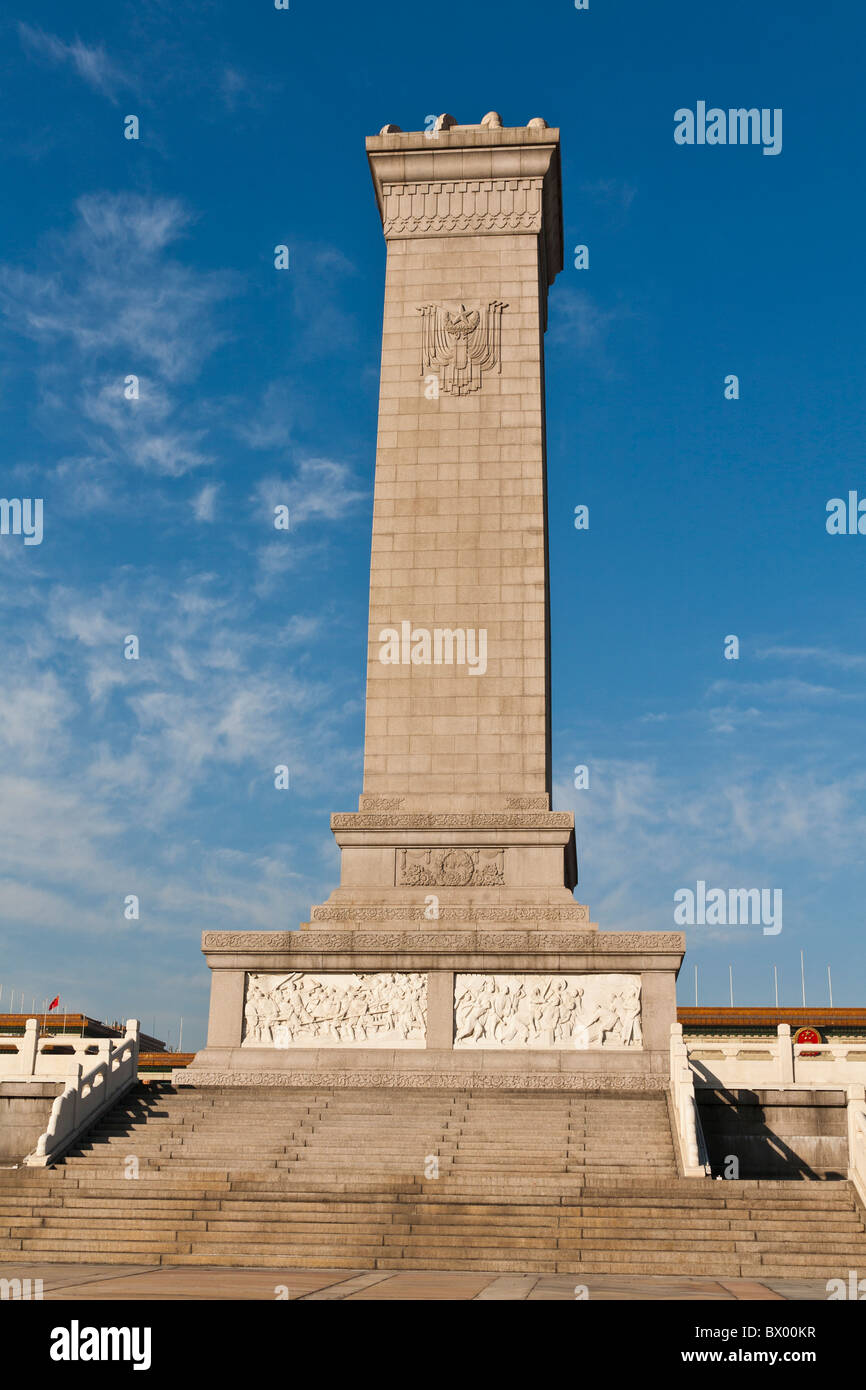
144	1283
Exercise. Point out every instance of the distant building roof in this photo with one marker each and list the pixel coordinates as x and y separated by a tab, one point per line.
78	1025
713	1017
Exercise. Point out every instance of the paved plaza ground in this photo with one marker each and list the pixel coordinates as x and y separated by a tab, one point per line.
144	1283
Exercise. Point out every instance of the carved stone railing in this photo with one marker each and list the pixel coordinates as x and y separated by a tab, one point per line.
778	1062
693	1149
857	1139
35	1055
88	1095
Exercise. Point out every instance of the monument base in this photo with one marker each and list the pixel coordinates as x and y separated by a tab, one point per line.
508	1009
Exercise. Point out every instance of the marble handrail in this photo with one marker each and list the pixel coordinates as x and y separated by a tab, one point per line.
777	1061
857	1139
87	1095
691	1136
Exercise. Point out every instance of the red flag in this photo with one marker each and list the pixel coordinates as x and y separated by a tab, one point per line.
54	1003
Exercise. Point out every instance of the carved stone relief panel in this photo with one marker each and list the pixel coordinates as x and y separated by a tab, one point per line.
450	868
461	344
474	205
300	1009
547	1011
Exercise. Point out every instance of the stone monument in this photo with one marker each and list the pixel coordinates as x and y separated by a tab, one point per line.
453	952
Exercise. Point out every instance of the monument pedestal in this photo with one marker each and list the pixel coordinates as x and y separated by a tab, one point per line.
508	1009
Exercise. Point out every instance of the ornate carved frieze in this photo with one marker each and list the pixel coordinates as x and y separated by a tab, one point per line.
461	344
381	803
436	1079
462	206
454	820
547	1011
450	868
306	1010
247	940
460	912
602	943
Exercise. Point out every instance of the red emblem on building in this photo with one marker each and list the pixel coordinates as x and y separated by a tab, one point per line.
808	1035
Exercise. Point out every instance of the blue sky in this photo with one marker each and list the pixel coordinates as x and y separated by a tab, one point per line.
707	516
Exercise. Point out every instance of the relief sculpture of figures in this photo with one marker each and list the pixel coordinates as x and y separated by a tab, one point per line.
547	1011
301	1009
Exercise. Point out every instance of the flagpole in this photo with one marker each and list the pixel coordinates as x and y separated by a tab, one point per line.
803	978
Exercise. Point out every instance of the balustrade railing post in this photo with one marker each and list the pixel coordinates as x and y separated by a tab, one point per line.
786	1055
29	1048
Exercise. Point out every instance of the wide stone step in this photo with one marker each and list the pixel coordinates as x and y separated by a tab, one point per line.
81	1245
722	1266
624	1229
333	1179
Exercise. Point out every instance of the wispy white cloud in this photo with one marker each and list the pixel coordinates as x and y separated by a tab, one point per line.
577	318
110	288
610	192
145	430
269	424
781	690
320	491
645	828
815	656
204	502
90	62
106	761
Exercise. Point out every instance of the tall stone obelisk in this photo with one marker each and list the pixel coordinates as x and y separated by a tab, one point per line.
453	948
473	227
458	669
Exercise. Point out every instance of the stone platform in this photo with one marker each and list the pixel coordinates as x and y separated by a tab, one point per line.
76	1283
556	1009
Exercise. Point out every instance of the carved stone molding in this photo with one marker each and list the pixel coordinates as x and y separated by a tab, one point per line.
450	868
462	912
429	1080
454	820
601	943
465	222
247	940
462	206
527	803
331	1010
547	1011
381	803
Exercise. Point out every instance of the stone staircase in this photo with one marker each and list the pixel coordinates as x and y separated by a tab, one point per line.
535	1182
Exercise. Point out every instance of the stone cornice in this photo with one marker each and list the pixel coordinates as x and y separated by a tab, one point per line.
493	181
438	943
452	820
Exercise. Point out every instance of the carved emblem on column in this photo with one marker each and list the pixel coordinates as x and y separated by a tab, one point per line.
460	346
450	868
